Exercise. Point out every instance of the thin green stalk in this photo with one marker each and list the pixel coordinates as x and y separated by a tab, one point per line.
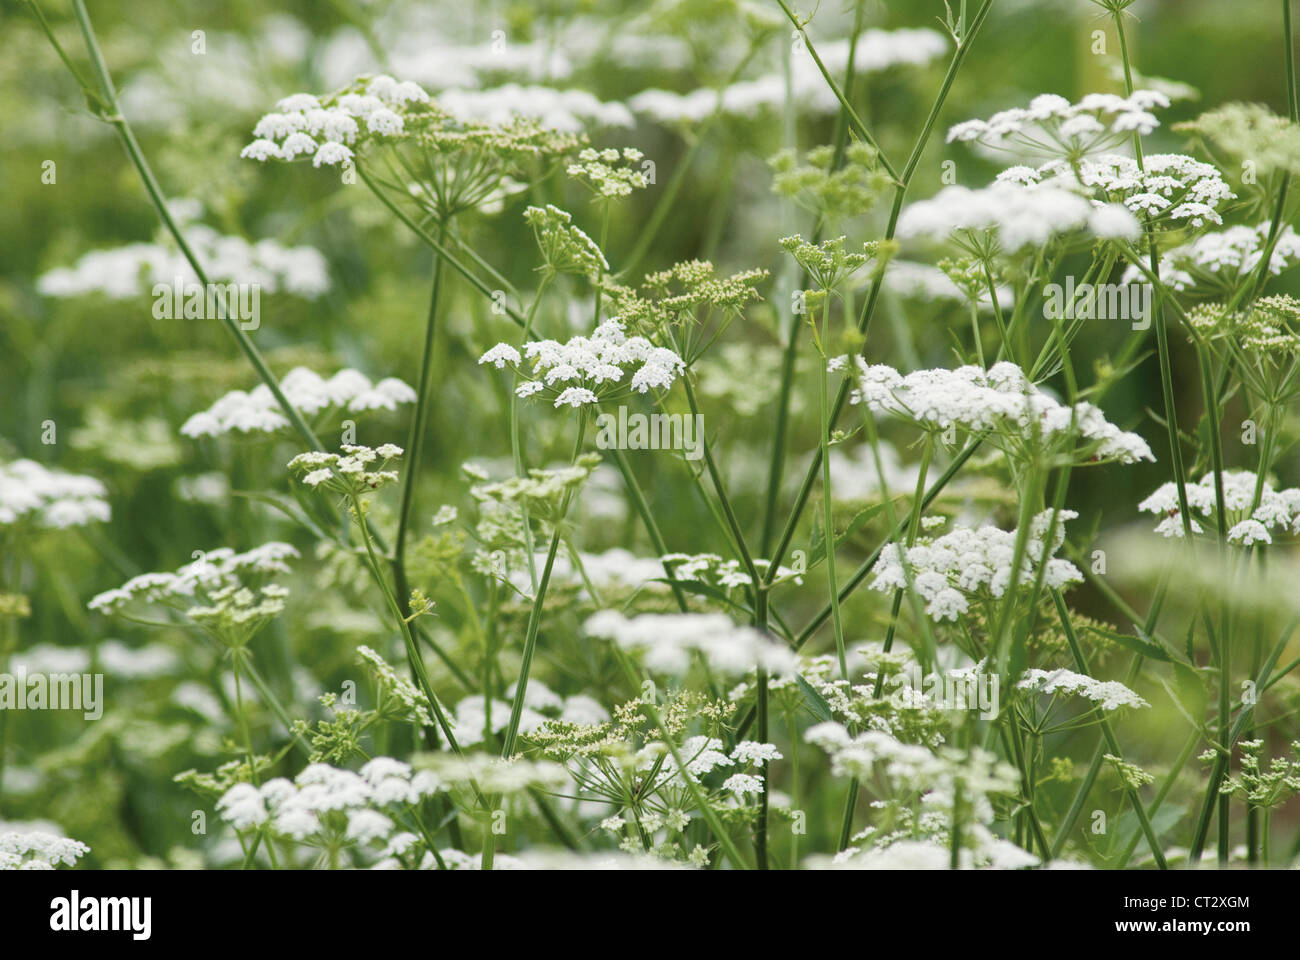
111	113
864	319
535	614
415	439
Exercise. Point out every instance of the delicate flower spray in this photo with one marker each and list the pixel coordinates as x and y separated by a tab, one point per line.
626	667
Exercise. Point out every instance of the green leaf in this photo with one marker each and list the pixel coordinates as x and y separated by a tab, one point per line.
1151	649
813	700
818	551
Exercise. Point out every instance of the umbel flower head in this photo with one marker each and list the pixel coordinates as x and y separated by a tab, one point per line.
669	641
820	187
136	269
610	174
307	392
827	263
1008	217
1107	694
686	307
38	850
583	371
564	247
1170	191
952	571
1018	417
230	595
359	470
445	164
31	493
1247	523
1053	126
1217	263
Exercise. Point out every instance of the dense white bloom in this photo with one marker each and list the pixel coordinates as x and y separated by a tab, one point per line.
968	563
304	807
1000	400
1054	126
566	110
1109	694
307	392
585	370
219	590
1170	190
743	783
1216	262
667	642
751	751
49	498
135	269
877	50
1248	523
38	850
1010	217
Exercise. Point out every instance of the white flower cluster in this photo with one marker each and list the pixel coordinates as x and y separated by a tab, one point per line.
1216	262
215	578
475	718
1000	400
877	50
38	850
1010	217
585	370
568	111
968	564
702	755
615	569
324	799
911	766
49	498
1054	126
711	569
350	473
991	852
307	392
326	128
1108	694
667	642
414	705
135	269
1171	190
1277	510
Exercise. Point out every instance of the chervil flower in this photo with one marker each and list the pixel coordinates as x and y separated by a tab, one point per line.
49	498
1006	217
140	269
1109	695
584	371
968	564
1001	401
1248	523
667	642
1170	191
307	392
1217	263
28	849
1053	126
